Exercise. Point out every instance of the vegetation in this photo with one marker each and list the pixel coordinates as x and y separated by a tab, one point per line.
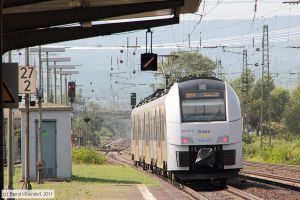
282	151
86	179
101	128
187	63
87	155
292	112
281	120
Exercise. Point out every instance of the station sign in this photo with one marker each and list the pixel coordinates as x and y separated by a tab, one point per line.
27	80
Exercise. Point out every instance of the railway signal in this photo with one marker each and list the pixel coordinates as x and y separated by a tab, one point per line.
133	99
71	91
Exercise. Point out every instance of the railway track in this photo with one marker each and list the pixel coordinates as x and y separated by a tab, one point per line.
227	193
287	182
293	168
118	145
258	176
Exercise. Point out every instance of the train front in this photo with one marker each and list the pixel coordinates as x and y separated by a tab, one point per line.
204	130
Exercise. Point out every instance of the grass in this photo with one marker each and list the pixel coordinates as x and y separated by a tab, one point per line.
90	181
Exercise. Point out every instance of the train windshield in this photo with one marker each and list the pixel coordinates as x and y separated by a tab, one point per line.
203	100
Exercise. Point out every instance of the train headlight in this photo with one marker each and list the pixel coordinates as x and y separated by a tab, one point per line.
186	140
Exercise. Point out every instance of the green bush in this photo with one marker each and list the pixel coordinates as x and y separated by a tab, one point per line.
87	155
282	151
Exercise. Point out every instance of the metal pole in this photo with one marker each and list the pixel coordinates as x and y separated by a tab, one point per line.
10	163
47	76
55	83
26	184
39	162
66	90
61	98
1	106
200	42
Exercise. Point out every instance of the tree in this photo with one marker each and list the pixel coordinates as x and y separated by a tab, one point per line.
279	100
257	101
243	86
187	63
292	112
238	85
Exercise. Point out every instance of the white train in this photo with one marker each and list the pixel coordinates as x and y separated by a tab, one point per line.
191	131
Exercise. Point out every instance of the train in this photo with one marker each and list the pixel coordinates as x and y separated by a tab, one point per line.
190	131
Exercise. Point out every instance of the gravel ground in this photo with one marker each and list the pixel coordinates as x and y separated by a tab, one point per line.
265	191
220	195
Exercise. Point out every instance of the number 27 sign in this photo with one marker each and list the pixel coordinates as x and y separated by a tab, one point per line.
27	79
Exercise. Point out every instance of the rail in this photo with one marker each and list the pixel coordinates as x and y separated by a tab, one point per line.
235	192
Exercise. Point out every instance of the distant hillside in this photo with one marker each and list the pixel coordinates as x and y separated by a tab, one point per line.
96	64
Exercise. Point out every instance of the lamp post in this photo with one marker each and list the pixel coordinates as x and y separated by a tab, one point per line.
86	119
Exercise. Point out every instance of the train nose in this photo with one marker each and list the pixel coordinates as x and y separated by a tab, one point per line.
205	157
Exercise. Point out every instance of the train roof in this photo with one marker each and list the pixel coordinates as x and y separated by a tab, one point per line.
161	92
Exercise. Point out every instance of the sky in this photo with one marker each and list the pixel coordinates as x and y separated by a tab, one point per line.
96	67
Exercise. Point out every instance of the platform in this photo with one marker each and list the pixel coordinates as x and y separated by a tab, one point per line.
164	191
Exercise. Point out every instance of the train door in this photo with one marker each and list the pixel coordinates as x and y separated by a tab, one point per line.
158	142
136	138
143	137
133	136
148	159
151	135
161	138
140	137
138	133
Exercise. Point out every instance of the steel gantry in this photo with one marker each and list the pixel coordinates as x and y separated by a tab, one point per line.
265	87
